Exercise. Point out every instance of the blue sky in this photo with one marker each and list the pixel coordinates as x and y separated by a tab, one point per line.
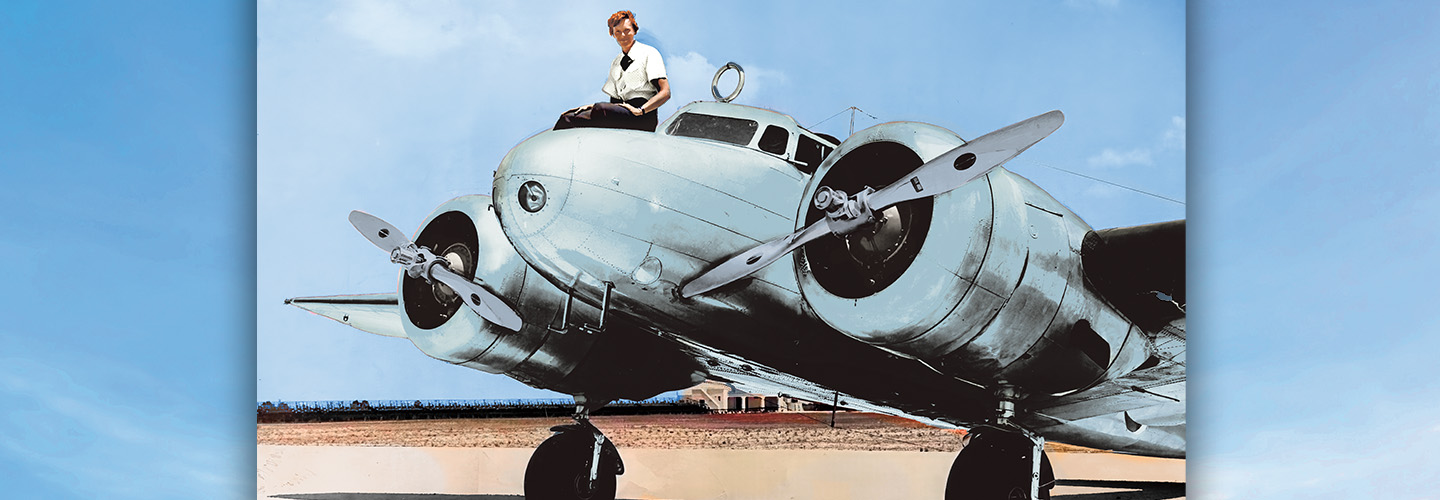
126	161
394	108
1313	145
130	241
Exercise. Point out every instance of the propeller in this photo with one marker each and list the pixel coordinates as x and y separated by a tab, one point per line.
846	213
420	263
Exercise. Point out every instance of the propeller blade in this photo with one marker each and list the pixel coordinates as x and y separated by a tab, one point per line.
940	175
967	162
480	300
379	232
419	261
753	260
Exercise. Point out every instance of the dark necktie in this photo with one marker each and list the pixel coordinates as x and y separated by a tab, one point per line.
625	62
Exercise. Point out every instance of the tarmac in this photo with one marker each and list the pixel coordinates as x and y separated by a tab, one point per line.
401	473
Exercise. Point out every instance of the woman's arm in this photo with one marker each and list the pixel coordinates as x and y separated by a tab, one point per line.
654	102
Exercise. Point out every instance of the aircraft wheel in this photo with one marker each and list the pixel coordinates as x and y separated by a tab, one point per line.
560	470
997	466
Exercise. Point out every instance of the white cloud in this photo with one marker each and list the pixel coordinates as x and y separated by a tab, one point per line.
1101	191
1332	467
1171	139
1174	137
70	426
685	74
1112	158
691	74
419	29
393	108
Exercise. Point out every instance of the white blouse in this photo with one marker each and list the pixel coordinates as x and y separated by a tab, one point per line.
635	82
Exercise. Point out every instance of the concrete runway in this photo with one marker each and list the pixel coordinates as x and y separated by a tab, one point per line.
389	473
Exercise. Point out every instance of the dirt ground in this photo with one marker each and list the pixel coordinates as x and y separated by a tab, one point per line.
753	431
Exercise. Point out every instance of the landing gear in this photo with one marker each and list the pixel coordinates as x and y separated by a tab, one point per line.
1001	461
1000	464
576	463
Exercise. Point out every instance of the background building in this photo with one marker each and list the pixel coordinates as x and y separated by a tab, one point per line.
720	396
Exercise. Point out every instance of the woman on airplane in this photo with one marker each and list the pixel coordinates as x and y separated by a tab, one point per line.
637	85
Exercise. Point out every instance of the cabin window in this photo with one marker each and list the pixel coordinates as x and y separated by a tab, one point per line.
811	152
718	128
775	140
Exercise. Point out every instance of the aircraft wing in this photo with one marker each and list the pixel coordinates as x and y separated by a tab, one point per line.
1159	382
1141	270
1158	387
757	378
377	313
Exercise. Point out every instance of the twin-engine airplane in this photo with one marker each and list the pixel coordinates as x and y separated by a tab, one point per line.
901	271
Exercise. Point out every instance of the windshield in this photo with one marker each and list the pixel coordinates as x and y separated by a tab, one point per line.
719	128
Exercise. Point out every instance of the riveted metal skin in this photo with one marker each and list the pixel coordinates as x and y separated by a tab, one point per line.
939	308
995	291
621	201
538	355
929	289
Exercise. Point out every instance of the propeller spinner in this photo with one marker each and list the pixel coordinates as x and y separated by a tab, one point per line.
420	262
846	213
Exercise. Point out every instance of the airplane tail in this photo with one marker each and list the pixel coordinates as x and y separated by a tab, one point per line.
377	313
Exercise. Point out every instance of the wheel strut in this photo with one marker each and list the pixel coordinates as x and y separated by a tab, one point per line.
582	419
1001	459
577	462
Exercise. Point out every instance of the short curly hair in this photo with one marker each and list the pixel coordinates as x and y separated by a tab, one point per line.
620	17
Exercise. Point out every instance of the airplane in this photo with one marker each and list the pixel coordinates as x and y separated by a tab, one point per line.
902	271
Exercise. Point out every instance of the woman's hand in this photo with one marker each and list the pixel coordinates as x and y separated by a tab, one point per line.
633	110
581	109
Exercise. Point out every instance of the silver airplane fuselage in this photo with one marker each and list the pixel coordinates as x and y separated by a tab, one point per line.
971	291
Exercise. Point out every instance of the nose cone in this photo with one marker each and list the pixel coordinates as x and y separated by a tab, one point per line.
533	182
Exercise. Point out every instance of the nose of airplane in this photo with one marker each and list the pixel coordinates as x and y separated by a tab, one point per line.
533	182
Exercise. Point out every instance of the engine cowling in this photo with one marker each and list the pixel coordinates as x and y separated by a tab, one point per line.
620	362
982	282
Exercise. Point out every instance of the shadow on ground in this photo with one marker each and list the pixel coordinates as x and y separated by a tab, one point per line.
394	496
1137	490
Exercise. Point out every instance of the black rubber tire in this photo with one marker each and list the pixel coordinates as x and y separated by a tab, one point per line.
1047	476
995	466
558	471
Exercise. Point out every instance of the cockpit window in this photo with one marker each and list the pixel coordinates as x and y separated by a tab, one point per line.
811	152
775	140
719	128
